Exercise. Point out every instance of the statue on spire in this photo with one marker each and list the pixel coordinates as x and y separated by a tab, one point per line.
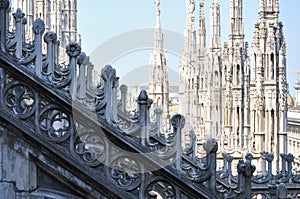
190	6
157	3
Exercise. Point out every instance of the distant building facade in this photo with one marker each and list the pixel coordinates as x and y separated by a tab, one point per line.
237	94
293	139
297	92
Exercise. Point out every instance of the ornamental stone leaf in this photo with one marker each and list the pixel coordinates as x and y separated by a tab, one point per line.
38	26
73	49
18	15
50	37
81	58
108	73
24	21
178	121
211	145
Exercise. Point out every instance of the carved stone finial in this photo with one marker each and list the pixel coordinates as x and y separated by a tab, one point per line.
4	4
211	145
246	168
178	121
239	166
109	74
50	37
143	97
123	88
269	157
38	26
81	58
289	157
73	49
249	157
18	15
229	158
263	154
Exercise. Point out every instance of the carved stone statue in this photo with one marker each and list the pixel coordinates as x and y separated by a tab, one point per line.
190	5
157	3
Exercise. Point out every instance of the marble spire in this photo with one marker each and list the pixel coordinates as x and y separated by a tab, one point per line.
215	25
159	84
202	29
236	30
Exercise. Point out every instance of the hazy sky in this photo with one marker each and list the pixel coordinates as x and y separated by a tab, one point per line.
100	24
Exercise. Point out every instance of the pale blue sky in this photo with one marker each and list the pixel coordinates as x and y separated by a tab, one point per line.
100	21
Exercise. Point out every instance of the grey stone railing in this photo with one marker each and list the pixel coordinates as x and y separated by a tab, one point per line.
73	79
284	184
57	125
167	148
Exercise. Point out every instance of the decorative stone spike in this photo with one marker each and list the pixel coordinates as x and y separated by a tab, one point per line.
123	89
247	169
81	79
73	50
106	96
178	122
144	119
211	148
18	41
51	39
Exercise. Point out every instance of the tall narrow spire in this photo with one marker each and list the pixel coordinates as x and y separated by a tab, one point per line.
189	32
202	29
270	81
236	20
188	70
159	84
158	37
215	26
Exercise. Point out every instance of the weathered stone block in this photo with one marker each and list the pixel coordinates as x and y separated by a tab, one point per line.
7	190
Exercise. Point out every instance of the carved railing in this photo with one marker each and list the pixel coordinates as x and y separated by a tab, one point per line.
70	80
283	184
154	144
52	106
